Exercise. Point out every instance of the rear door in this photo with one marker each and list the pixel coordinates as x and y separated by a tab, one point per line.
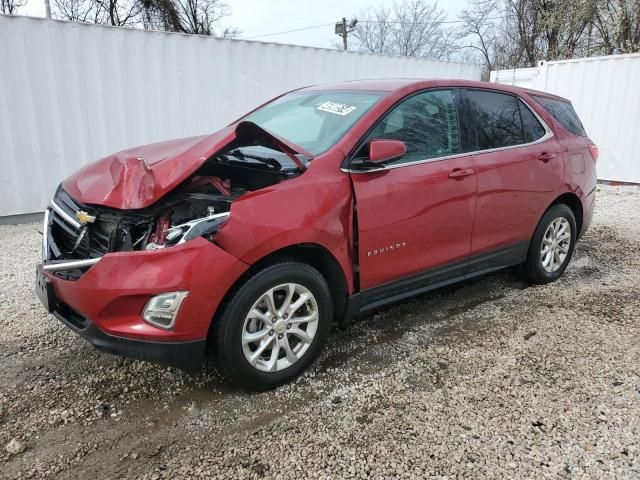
417	212
519	168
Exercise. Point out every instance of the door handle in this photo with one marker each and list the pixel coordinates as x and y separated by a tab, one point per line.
461	172
545	157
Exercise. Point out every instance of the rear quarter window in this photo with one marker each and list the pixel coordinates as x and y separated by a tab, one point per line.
564	113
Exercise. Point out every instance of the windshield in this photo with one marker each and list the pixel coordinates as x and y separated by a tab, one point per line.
314	120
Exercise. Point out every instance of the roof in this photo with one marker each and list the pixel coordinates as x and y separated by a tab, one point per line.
396	84
383	85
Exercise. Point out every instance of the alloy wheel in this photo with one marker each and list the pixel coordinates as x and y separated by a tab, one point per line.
555	244
280	327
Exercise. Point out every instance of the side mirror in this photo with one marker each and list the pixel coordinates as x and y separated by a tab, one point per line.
384	150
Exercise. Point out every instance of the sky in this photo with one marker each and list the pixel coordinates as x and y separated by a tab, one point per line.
257	18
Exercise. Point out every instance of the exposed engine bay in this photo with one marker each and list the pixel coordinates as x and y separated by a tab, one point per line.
197	207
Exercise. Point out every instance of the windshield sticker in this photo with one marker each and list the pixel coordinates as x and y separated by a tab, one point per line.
337	108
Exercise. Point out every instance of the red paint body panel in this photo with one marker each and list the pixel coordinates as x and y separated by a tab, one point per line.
113	292
412	219
430	218
382	150
138	177
580	173
514	190
314	208
583	181
124	181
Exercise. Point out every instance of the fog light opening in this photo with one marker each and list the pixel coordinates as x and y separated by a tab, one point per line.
162	310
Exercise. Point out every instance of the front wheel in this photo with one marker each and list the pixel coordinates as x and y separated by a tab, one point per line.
274	327
552	245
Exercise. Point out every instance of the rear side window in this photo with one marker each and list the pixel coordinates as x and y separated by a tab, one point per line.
533	129
496	117
564	113
427	123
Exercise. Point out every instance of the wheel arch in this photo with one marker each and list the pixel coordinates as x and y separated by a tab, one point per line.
311	254
572	201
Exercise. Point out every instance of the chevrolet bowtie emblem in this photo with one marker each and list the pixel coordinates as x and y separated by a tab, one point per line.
84	217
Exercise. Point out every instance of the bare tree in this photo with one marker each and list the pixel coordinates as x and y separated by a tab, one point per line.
187	16
418	29
617	26
522	29
374	33
118	13
518	33
160	15
200	16
76	10
481	31
410	28
563	26
10	7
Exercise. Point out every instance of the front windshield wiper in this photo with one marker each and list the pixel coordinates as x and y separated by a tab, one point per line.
272	162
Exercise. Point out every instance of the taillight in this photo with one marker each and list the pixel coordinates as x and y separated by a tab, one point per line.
593	148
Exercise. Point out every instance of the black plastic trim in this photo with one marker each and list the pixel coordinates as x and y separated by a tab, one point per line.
375	297
187	355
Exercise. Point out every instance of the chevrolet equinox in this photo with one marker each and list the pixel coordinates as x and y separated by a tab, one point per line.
323	203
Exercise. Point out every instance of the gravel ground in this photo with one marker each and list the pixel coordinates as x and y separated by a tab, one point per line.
489	379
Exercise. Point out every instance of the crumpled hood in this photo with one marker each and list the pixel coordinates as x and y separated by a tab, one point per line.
140	176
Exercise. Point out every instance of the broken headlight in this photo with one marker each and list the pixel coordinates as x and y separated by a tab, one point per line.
200	227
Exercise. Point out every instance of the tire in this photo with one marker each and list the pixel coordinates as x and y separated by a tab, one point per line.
540	267
247	316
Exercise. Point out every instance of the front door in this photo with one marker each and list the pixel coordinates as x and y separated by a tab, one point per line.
417	213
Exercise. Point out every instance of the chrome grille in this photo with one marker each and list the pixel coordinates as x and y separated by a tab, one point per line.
72	242
68	238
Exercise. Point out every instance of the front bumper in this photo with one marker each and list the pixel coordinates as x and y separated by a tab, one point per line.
104	305
187	355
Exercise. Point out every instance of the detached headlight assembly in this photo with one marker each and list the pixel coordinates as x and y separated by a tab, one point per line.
162	310
200	227
197	228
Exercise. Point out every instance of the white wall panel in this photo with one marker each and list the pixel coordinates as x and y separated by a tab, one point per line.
605	91
71	93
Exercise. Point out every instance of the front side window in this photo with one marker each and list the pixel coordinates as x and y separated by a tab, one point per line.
496	117
427	123
315	120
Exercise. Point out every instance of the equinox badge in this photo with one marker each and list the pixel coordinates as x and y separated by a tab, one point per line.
388	248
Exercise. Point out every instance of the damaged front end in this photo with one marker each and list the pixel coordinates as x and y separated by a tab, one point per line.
77	235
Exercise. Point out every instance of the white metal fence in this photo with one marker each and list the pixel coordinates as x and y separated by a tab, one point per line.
71	93
605	91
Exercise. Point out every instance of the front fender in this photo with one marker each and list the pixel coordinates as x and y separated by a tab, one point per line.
315	208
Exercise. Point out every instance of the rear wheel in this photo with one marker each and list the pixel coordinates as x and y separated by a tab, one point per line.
274	327
551	246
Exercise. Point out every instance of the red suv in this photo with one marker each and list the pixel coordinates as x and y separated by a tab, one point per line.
323	203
